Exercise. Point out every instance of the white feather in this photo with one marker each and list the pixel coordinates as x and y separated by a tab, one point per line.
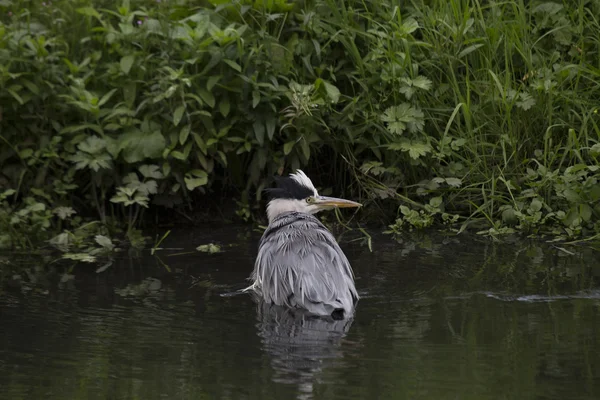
277	207
304	180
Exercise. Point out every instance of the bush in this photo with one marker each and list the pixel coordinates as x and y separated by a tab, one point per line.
486	110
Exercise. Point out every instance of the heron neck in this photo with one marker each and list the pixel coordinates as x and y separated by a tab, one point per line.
277	207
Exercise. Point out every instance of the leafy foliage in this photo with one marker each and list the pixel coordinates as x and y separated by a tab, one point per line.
106	105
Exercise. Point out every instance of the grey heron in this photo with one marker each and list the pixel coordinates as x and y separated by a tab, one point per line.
299	264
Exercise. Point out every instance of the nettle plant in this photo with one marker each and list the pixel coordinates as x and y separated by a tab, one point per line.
135	193
198	95
562	202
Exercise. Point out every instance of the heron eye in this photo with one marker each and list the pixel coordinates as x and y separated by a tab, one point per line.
309	200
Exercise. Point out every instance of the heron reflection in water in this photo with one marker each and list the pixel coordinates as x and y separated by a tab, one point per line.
300	345
299	263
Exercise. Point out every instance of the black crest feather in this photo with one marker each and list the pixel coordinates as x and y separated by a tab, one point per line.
288	188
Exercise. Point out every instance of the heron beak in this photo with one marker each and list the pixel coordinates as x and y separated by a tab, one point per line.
326	202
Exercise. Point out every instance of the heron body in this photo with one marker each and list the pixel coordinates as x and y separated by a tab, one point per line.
300	264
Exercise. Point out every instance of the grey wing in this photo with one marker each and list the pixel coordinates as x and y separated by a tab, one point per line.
302	266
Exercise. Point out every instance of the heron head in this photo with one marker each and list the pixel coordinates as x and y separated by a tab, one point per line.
297	193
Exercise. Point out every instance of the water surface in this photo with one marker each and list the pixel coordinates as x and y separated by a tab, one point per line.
440	318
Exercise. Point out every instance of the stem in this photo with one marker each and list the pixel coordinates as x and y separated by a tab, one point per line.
135	216
129	221
95	194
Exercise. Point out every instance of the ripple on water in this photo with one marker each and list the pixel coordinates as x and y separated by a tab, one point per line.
437	319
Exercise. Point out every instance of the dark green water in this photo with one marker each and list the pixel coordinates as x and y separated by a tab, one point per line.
439	318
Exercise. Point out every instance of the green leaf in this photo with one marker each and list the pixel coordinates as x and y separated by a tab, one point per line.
92	145
469	50
200	143
7	193
457	144
407	91
414	148
332	92
526	101
454	182
261	157
88	11
304	146
287	148
178	114
212	81
198	173
84	257
137	145
572	218
104	267
233	65
409	26
16	96
572	196
104	242
126	63
509	216
594	193
25	153
129	93
436	201
255	98
270	125
147	187
585	211
92	161
195	178
141	199
120	197
106	97
536	205
207	97
77	128
224	107
150	171
41	193
410	85
184	133
259	132
548	8
64	212
403	116
223	158
31	86
131	180
178	155
36	207
210	248
421	82
62	241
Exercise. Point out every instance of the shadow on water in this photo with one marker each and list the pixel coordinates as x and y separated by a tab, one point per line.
439	318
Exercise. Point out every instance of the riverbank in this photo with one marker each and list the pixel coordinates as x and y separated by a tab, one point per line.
472	116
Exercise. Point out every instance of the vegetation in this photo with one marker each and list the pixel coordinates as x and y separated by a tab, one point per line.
479	114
